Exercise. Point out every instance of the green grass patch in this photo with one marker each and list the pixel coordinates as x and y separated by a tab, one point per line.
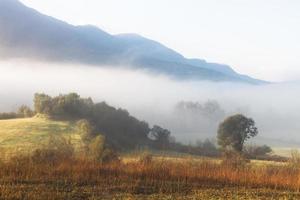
25	135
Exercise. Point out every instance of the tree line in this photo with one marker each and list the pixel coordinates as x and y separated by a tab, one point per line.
125	132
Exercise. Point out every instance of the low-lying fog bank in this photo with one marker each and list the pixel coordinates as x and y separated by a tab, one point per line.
155	98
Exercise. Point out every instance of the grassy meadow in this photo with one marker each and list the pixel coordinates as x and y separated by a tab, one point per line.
27	134
159	178
135	176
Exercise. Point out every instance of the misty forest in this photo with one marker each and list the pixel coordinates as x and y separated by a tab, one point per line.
88	114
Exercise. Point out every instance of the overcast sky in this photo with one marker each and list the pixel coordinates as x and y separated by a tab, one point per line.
260	38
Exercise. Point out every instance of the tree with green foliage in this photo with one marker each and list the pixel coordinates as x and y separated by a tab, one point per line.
234	131
120	129
42	103
160	136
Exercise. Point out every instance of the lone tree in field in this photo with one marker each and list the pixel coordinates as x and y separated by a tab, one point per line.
234	131
161	137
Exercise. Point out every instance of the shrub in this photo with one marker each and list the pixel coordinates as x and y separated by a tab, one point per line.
10	115
57	150
255	152
96	148
85	130
98	151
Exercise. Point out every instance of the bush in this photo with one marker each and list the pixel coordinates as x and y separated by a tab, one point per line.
255	152
85	130
10	115
206	148
57	150
96	148
98	151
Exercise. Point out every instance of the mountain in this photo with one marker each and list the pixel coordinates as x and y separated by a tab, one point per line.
26	33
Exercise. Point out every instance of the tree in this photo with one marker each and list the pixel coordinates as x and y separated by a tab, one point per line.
161	137
85	129
42	103
96	148
121	130
234	131
25	111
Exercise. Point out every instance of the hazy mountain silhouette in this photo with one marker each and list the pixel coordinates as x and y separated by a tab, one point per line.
26	33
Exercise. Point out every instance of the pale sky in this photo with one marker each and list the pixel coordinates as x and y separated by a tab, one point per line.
260	38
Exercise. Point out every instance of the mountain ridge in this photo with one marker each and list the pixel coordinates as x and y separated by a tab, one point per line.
27	33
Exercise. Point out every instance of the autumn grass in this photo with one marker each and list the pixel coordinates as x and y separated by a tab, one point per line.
161	178
166	176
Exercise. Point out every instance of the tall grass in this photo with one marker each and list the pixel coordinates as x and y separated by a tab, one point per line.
157	176
55	170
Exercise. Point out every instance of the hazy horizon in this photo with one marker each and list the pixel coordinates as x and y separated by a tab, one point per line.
153	97
146	95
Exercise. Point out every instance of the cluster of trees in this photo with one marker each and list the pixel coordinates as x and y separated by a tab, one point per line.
23	112
195	117
8	115
200	148
121	131
210	109
70	106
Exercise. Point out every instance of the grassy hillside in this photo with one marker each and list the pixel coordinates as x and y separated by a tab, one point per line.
25	135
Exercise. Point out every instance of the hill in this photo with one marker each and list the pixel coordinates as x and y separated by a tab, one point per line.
72	117
26	134
26	33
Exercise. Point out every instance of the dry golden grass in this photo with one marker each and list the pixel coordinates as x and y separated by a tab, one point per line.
159	179
165	177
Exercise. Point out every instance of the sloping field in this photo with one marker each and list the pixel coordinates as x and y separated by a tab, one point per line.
25	135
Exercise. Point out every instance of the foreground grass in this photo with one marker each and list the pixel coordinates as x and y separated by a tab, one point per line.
45	192
165	177
159	179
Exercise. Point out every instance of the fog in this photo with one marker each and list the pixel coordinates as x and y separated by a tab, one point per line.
153	97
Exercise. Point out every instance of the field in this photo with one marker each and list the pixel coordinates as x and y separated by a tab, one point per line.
133	177
25	135
161	178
